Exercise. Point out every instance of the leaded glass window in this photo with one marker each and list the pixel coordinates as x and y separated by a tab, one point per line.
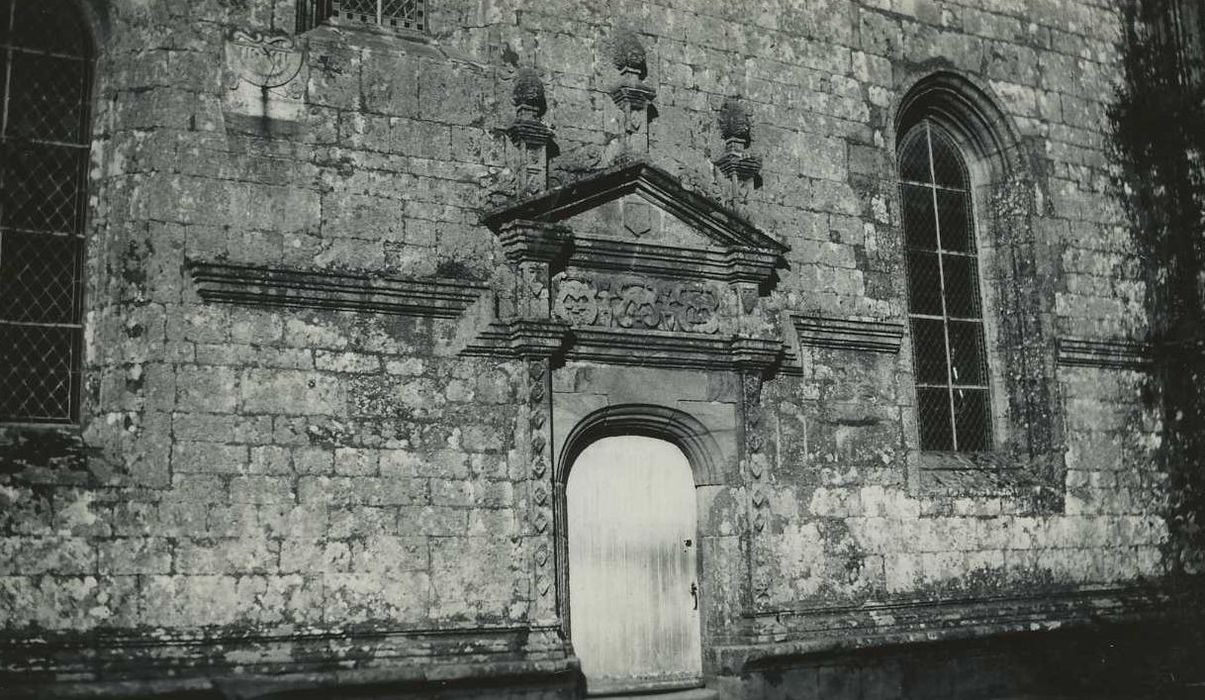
45	80
392	14
944	307
395	14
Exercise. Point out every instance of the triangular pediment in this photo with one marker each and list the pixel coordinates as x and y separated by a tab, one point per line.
640	202
633	217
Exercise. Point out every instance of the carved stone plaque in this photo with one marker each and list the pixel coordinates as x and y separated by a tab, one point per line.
262	75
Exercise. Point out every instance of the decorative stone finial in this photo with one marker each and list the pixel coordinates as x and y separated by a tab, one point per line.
740	168
734	121
628	53
528	94
529	135
632	96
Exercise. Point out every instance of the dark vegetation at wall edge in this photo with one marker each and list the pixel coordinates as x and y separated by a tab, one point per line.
1159	125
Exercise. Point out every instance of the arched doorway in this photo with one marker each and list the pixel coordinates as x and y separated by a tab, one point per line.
633	584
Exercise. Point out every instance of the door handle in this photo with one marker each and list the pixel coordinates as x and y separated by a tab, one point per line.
694	593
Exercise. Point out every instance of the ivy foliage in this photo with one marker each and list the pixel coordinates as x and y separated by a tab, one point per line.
1158	122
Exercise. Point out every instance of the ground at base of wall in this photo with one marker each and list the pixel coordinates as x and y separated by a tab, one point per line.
1135	662
1152	661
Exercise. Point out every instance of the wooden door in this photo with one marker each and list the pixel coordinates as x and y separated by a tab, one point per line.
633	592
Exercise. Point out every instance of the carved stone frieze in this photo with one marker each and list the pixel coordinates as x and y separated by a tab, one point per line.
628	302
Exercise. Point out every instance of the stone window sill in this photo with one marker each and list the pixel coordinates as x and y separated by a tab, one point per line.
987	475
384	40
372	28
42	451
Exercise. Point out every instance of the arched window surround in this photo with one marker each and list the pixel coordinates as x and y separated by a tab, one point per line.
1017	280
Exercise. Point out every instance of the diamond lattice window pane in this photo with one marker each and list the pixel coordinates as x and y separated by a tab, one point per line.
961	285
933	410
947	163
920	229
929	346
407	14
949	353
37	372
38	277
966	353
42	185
924	283
954	221
49	25
396	14
914	159
44	60
360	10
971	419
45	98
6	10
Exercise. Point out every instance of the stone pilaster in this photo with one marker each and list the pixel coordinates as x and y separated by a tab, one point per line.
535	251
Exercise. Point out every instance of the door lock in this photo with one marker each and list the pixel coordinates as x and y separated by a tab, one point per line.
694	593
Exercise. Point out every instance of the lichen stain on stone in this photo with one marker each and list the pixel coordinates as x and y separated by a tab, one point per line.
800	551
77	515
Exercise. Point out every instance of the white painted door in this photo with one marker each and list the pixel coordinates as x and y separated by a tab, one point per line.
633	593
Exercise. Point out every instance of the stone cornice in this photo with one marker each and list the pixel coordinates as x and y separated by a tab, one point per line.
534	241
1104	354
675	350
848	333
622	347
832	333
266	286
520	338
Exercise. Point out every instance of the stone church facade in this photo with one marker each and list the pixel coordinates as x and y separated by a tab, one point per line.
308	310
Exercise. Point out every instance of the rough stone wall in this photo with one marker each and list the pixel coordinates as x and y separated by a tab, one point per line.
271	472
